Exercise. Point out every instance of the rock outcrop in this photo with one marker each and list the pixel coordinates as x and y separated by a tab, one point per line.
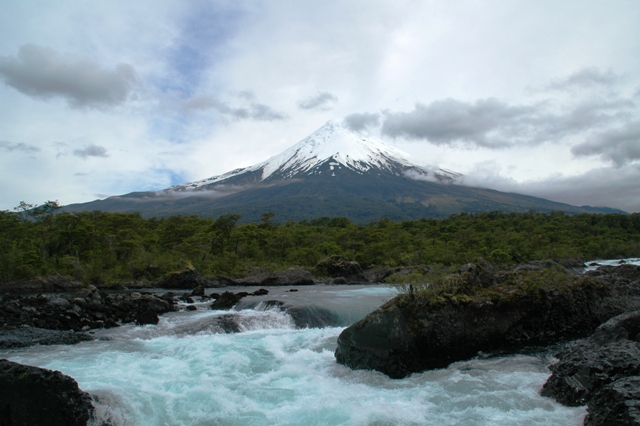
617	404
339	267
19	337
414	332
183	280
291	276
86	309
36	396
602	371
49	284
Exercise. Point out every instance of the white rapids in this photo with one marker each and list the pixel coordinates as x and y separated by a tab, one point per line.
182	372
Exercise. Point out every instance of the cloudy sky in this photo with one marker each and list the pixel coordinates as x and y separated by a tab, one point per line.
104	98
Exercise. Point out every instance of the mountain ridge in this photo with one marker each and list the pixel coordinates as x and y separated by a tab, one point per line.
332	172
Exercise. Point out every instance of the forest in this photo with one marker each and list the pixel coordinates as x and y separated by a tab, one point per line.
105	248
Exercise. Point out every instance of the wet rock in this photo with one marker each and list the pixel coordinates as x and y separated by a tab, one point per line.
191	308
186	299
19	337
58	302
411	334
198	291
585	368
616	404
260	292
147	317
227	300
94	310
36	396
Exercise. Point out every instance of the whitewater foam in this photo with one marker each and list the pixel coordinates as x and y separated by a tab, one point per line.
185	372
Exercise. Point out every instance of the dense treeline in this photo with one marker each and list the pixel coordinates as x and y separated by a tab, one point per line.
115	247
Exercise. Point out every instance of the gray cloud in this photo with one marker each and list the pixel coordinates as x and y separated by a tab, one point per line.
91	151
255	111
359	121
490	123
21	146
619	146
487	122
320	101
601	187
586	78
41	72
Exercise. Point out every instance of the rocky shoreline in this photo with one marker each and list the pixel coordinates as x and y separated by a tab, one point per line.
36	396
411	333
332	270
408	334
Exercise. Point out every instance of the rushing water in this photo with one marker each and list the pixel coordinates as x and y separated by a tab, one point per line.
185	371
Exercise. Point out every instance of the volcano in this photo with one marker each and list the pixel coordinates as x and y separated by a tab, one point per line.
332	172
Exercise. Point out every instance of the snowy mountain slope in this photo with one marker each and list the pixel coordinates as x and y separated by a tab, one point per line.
328	149
332	172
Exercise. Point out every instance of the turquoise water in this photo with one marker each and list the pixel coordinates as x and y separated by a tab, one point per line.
186	372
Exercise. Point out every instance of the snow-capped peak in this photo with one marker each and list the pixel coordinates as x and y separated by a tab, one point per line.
334	143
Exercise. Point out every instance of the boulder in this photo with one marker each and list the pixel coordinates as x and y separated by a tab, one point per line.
185	280
412	333
585	368
87	309
198	291
291	276
227	300
602	371
19	337
616	404
338	266
36	396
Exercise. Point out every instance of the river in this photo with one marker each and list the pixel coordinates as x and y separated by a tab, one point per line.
186	371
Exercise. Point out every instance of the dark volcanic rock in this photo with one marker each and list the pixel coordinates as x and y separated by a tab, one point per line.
36	396
584	368
198	291
87	309
291	276
184	280
602	371
410	333
617	404
227	300
28	336
338	266
48	284
147	317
